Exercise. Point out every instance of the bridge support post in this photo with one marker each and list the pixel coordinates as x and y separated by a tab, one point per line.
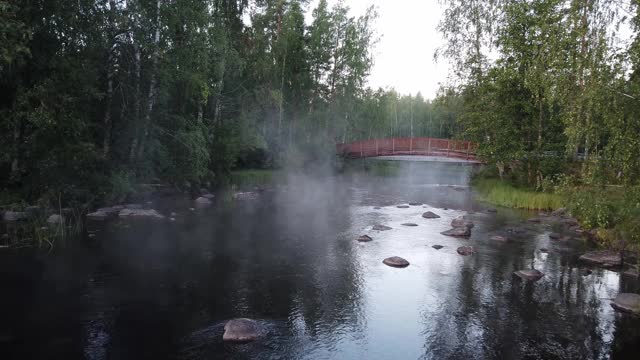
429	147
448	147
393	146
411	145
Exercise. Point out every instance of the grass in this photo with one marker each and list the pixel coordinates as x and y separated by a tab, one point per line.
244	178
500	193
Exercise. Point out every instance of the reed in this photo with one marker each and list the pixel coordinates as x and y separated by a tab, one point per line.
500	193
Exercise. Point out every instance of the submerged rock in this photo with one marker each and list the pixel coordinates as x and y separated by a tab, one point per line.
55	219
403	206
140	213
604	258
465	250
430	215
627	302
202	201
381	227
15	216
241	330
437	247
364	238
409	224
462	232
461	222
529	275
396	261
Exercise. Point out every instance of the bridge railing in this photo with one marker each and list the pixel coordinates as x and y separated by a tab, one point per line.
409	146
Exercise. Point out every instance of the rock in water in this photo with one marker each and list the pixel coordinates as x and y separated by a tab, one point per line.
458	232
437	247
409	224
430	215
492	210
627	302
604	258
241	330
202	201
55	219
396	261
381	228
15	216
461	222
140	213
403	206
364	238
554	236
465	250
529	275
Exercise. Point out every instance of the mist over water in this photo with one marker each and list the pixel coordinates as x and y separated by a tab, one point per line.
289	259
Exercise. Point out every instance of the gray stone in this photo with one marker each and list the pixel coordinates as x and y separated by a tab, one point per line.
202	202
140	214
15	216
410	224
437	247
381	228
396	261
430	215
364	238
499	238
463	232
627	302
465	250
529	275
55	219
461	222
241	330
604	258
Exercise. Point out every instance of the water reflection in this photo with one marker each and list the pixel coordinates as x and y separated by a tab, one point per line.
290	260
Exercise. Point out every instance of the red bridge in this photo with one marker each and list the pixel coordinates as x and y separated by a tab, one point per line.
428	147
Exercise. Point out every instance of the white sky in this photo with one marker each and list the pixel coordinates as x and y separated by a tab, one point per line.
408	40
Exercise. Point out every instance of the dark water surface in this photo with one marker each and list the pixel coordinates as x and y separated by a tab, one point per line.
289	259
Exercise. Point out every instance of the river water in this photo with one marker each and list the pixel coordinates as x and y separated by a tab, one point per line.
289	260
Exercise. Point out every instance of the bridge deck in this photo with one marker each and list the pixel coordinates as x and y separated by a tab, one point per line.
453	150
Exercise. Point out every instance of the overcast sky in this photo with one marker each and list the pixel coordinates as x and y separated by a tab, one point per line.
408	39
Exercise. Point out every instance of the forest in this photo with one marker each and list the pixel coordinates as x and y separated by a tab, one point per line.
550	92
99	95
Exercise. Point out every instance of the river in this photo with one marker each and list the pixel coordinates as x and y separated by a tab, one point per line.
289	259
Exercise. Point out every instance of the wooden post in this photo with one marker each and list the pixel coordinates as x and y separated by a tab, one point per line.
361	154
393	146
448	147
377	152
429	148
411	145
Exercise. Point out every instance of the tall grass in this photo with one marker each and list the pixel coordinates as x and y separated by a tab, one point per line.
500	193
245	178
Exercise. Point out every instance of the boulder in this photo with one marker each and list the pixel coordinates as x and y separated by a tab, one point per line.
430	215
364	238
396	261
15	216
437	247
381	227
498	238
461	222
202	201
559	212
463	232
627	302
529	275
403	206
410	224
140	213
604	258
241	330
465	250
55	219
